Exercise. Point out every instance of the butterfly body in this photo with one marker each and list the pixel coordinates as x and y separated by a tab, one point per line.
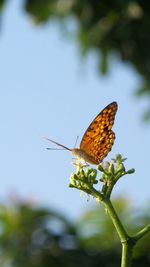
98	139
82	155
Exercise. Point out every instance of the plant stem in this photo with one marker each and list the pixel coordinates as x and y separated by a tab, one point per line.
96	194
127	242
116	221
141	233
126	260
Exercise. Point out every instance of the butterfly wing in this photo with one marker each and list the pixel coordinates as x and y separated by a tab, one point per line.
99	138
98	148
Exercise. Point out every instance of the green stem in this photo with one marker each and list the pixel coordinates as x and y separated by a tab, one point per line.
96	194
141	233
127	242
126	260
109	190
116	221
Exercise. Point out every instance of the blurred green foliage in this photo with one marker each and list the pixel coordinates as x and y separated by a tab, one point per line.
34	236
121	28
1	4
118	27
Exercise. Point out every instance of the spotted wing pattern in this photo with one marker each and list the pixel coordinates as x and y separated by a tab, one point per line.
99	138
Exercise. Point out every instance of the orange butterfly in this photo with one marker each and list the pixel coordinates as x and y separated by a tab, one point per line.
98	139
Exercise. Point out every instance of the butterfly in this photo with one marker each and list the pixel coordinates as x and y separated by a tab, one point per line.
98	139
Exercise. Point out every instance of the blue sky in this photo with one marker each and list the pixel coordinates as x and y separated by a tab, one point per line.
47	90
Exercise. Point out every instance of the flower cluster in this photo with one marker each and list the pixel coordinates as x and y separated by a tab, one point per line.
85	178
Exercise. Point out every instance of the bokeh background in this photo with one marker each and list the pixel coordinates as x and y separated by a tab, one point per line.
52	84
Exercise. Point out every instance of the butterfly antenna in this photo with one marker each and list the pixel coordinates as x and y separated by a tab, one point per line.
76	141
50	148
52	141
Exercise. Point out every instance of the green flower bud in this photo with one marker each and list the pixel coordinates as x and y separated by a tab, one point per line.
130	171
70	185
119	159
94	173
87	172
111	168
73	181
100	168
120	168
73	176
